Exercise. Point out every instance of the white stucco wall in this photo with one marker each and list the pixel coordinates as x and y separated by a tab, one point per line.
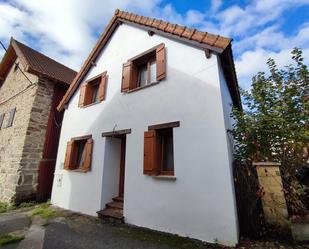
200	203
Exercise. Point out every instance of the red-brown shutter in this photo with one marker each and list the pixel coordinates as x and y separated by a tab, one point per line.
127	70
151	153
102	87
82	95
88	154
161	62
68	155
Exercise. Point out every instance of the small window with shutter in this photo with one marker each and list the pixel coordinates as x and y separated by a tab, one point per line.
79	154
93	90
144	69
159	150
11	118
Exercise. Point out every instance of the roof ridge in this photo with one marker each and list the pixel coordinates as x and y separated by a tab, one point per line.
175	29
191	36
18	43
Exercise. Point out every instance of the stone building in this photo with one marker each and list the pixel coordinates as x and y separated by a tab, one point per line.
31	86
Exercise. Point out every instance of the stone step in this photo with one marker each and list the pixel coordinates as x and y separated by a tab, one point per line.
115	204
111	214
118	199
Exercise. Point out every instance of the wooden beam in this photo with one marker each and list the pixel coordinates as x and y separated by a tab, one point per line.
116	133
207	53
164	126
81	138
150	32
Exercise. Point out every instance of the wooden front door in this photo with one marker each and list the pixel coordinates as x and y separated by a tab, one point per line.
122	166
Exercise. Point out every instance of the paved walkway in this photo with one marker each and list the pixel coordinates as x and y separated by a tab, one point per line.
74	231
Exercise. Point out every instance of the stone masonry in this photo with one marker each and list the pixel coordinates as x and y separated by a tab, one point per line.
21	146
273	199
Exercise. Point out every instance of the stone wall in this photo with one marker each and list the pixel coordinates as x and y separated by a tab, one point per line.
273	199
21	145
34	141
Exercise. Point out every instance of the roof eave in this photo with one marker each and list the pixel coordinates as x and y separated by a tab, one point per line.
113	24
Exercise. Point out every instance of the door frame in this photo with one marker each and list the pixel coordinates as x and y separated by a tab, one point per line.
122	166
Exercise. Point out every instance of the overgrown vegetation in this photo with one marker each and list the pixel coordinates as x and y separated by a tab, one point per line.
45	211
274	127
8	239
5	207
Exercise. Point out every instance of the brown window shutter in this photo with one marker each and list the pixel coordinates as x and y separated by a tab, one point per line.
161	62
127	70
68	155
88	154
151	153
82	95
102	87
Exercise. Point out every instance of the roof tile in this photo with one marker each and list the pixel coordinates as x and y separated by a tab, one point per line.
149	21
44	65
179	30
170	28
210	39
144	20
198	36
156	23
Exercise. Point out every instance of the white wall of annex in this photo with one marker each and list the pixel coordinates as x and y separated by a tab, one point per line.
201	202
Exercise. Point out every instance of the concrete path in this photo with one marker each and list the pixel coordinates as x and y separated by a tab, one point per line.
12	221
75	231
34	238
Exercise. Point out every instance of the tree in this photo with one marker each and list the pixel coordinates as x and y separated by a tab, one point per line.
274	123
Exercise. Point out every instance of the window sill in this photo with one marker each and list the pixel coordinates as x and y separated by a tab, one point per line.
143	87
78	170
165	177
85	106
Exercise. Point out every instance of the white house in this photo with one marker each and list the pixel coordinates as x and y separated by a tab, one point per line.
145	125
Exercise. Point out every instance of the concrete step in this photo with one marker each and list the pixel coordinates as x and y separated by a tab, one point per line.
118	199
115	204
111	214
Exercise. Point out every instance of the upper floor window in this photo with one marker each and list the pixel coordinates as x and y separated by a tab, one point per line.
93	90
144	69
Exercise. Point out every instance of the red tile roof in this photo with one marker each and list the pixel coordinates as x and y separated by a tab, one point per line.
204	40
38	63
215	41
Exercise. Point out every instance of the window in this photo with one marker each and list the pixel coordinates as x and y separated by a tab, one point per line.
159	149
147	72
93	91
78	154
144	69
1	119
11	118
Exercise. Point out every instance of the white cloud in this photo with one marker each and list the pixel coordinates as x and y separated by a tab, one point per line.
62	29
215	5
252	62
67	31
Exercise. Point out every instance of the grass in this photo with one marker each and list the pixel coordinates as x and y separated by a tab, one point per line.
45	211
8	239
5	207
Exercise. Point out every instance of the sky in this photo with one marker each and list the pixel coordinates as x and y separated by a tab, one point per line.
67	30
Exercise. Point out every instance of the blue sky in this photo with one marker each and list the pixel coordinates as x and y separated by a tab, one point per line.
66	30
